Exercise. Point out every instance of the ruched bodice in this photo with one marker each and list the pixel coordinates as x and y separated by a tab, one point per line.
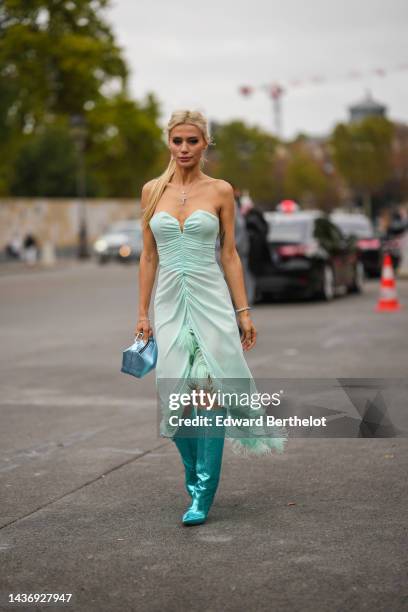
192	246
195	323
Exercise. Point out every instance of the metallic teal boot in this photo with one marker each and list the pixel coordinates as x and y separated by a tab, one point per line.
187	448
210	446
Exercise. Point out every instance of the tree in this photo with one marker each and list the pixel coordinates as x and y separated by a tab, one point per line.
245	156
124	145
362	153
56	57
59	59
305	181
46	164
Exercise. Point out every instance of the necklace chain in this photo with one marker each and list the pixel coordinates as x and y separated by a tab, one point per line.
184	193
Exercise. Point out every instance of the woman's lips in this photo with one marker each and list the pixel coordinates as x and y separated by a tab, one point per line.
184	158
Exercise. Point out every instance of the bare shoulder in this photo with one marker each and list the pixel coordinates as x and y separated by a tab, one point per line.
224	200
146	190
147	187
223	188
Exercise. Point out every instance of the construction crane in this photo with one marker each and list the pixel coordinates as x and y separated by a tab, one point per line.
276	90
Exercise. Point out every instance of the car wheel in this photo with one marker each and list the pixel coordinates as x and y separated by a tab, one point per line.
358	281
327	291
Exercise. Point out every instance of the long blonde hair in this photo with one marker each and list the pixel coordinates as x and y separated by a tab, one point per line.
177	117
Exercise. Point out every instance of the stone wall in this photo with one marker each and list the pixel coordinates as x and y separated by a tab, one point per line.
57	219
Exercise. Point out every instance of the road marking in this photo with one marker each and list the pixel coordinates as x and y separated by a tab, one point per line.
214	539
45	450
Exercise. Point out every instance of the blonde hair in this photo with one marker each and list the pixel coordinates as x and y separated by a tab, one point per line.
177	117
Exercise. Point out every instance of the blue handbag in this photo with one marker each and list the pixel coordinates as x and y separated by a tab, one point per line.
141	357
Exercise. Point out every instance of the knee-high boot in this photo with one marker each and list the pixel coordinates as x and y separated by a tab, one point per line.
187	447
210	446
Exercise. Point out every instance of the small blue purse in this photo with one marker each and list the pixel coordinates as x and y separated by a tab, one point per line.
141	357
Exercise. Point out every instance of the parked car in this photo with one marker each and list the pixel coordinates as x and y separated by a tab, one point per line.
122	241
308	256
371	245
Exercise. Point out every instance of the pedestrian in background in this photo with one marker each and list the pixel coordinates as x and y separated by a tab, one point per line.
14	248
30	249
257	229
243	245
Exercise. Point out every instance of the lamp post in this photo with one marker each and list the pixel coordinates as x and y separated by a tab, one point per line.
79	131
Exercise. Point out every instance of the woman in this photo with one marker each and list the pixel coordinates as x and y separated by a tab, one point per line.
199	345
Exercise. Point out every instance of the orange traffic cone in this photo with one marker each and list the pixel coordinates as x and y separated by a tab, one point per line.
388	300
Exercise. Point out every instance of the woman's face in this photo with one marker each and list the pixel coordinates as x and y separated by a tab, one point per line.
186	144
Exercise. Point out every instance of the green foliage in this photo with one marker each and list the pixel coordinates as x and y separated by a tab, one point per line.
58	55
125	142
46	164
59	59
244	156
304	179
362	152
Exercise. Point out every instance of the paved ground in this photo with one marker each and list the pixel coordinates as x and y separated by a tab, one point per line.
92	497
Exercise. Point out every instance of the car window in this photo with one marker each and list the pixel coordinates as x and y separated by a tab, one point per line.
288	230
336	233
359	229
123	229
135	231
322	230
327	233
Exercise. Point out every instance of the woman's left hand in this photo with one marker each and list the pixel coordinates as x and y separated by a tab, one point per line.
248	336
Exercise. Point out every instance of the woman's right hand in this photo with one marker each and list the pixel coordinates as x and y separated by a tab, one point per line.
143	325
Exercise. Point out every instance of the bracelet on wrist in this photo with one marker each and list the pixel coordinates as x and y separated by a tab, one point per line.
244	308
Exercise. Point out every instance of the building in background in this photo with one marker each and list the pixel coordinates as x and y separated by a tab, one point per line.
367	107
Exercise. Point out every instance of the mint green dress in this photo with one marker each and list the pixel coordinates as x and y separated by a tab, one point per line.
197	333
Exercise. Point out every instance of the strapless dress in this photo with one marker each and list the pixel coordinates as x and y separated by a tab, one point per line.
196	329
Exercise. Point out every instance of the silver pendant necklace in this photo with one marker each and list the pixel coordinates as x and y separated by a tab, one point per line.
184	194
184	197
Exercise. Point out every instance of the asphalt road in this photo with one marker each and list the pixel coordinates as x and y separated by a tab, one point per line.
92	497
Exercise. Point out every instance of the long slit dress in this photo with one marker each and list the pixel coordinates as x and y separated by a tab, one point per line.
196	330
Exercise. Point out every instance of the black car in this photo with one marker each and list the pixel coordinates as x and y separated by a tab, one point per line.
307	256
371	245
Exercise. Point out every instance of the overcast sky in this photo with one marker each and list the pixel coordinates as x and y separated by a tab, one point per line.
197	54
